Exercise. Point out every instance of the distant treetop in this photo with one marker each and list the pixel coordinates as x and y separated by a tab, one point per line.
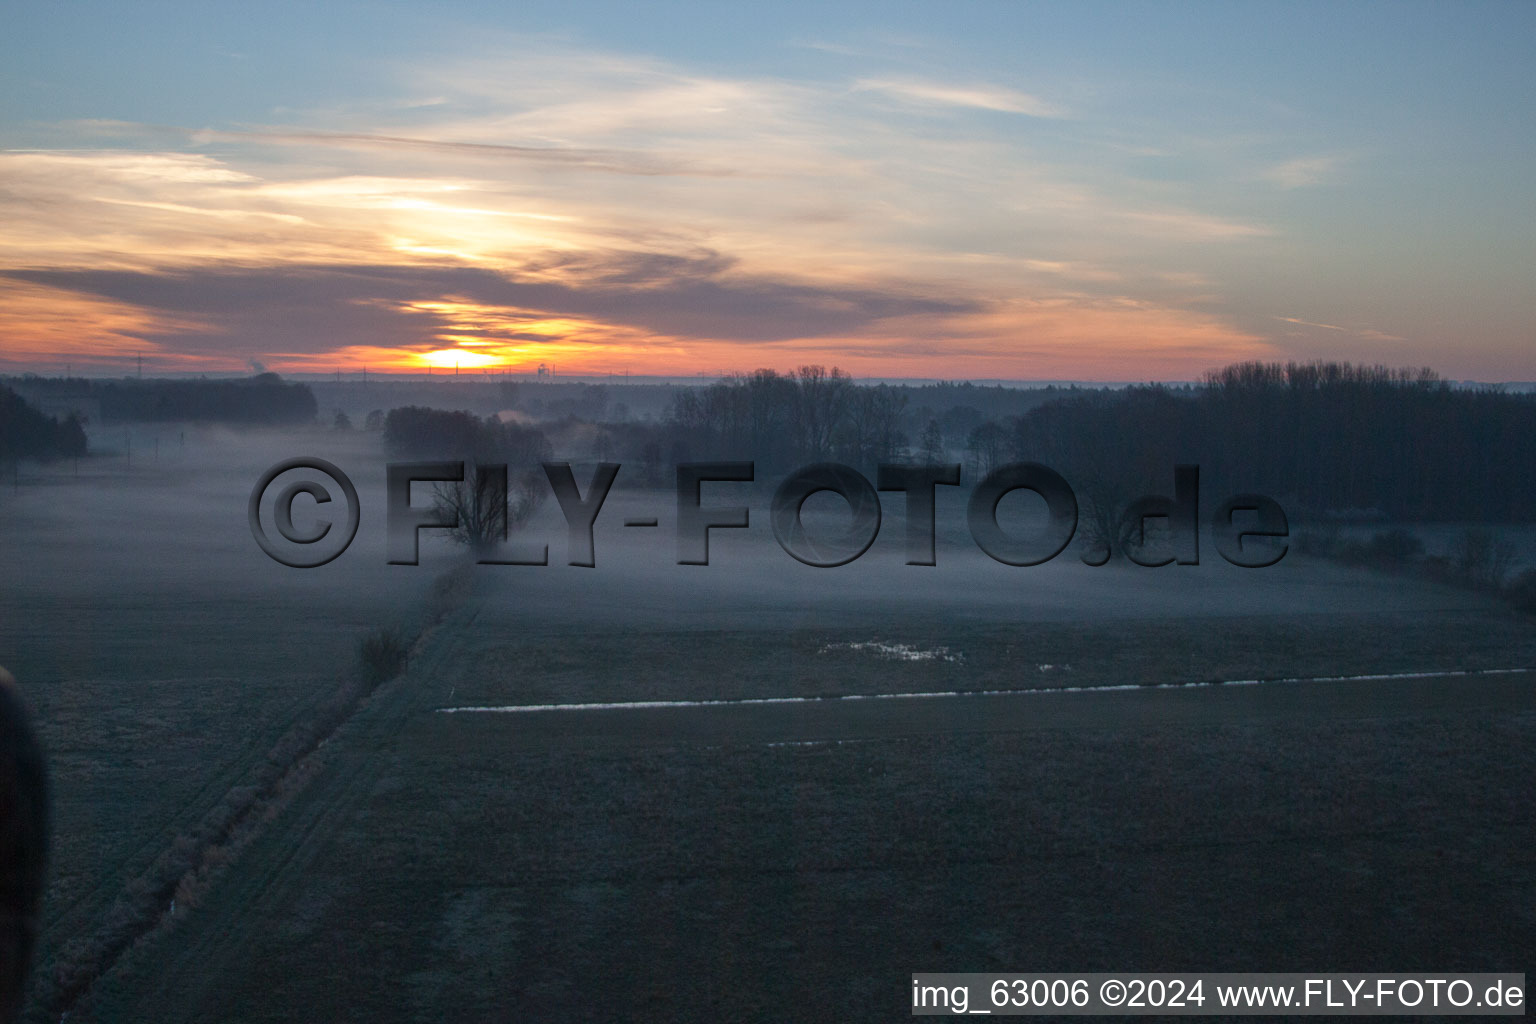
26	433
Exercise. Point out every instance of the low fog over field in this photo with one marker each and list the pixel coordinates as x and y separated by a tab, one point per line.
1240	292
166	657
637	580
228	749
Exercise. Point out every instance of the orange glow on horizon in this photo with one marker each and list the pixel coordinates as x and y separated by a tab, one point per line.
1073	339
457	358
166	213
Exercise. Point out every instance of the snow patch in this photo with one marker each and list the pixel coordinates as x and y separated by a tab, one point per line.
896	652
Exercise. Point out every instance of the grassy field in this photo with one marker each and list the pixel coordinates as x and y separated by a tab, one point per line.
745	861
798	862
165	662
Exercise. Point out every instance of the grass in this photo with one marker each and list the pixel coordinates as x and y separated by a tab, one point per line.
716	876
175	882
447	867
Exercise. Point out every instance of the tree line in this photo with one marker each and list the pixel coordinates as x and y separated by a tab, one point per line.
1324	439
416	432
26	433
265	399
782	421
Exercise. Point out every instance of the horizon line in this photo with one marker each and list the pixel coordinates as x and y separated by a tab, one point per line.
362	377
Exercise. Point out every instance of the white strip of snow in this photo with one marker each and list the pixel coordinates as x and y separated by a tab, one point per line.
638	705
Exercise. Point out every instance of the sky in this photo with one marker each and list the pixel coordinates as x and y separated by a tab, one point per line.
1016	191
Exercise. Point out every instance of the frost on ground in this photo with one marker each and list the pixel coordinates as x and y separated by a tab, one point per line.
896	652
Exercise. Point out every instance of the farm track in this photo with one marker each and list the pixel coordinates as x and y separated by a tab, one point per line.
274	863
72	921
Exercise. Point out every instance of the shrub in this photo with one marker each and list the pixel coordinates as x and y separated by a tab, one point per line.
1483	559
449	590
1521	592
382	655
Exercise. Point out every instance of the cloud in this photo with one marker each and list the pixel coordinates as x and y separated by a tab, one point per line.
976	97
607	203
1076	270
314	309
583	159
631	310
1304	171
48	325
1368	333
1189	225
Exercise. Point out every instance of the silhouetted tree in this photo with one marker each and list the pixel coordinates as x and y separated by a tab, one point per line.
932	444
26	433
489	503
984	448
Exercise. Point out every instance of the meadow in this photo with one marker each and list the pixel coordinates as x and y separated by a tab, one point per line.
170	671
710	859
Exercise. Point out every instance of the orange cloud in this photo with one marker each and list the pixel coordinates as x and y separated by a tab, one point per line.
40	324
622	213
1065	337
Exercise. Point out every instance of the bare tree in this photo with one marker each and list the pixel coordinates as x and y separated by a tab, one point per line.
1105	527
1099	523
822	402
871	429
933	443
985	446
487	507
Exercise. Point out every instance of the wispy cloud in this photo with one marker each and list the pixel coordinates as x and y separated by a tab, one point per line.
1367	333
48	325
612	208
1301	172
586	159
976	97
1192	225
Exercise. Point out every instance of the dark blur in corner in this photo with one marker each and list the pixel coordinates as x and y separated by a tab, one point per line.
23	844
